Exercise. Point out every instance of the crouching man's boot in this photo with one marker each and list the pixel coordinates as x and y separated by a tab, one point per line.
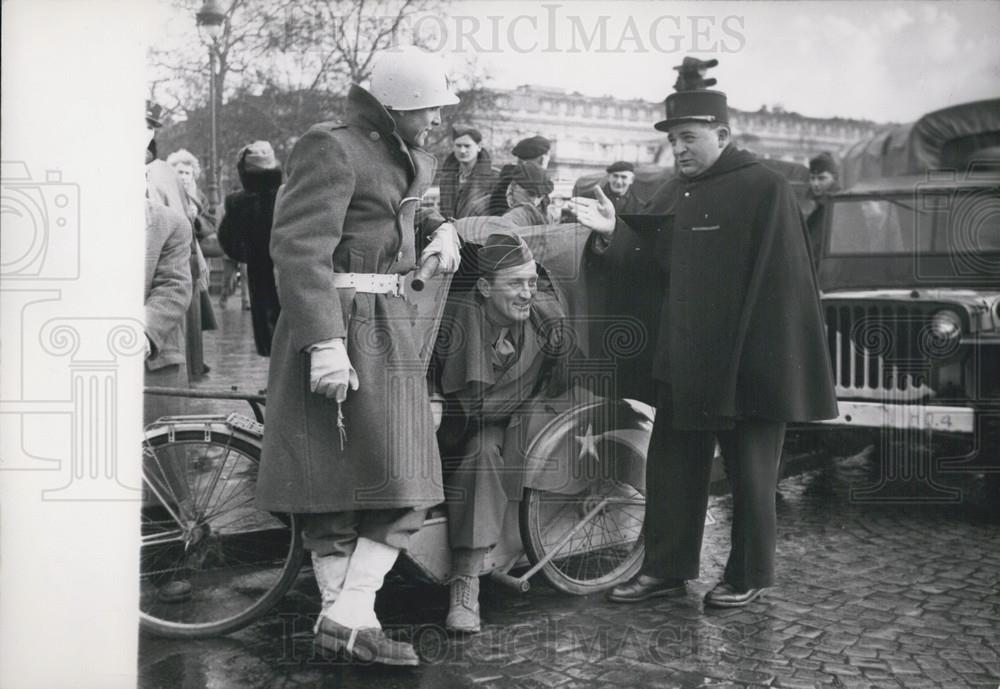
350	624
463	599
463	605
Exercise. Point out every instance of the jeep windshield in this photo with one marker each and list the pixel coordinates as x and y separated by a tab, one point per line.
912	236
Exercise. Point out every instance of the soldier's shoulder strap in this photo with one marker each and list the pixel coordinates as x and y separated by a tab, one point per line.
330	125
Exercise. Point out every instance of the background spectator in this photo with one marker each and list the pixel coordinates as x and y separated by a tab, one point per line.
245	234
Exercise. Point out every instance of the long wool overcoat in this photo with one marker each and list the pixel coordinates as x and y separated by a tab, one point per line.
741	332
343	210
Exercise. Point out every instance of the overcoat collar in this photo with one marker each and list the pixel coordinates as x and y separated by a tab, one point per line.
732	158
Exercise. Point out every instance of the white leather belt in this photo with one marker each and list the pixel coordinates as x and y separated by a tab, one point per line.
373	283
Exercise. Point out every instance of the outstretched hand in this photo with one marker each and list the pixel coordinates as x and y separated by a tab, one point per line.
598	215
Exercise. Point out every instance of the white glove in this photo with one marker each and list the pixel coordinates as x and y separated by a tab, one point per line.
330	370
149	347
598	215
444	242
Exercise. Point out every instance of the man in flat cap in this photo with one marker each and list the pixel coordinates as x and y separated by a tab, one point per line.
740	353
467	175
500	347
822	183
618	188
349	442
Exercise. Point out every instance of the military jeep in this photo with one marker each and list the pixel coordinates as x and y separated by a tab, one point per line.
910	282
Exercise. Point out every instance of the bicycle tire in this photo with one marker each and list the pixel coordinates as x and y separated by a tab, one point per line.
211	537
574	570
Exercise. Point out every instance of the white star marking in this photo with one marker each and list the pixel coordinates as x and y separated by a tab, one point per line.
588	444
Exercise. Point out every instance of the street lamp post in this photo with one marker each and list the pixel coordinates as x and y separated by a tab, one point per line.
210	19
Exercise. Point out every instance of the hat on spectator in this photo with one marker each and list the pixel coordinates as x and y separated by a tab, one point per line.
258	156
154	115
694	106
460	130
824	162
532	177
532	147
620	166
502	251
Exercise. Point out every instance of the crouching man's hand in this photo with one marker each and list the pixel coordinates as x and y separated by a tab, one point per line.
330	369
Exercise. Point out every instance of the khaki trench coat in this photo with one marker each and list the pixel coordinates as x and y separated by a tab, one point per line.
342	210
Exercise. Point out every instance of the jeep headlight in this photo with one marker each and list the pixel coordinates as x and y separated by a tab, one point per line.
946	324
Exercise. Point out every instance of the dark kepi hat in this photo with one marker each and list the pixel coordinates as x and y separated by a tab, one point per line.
532	177
620	166
824	162
460	130
502	251
695	106
532	147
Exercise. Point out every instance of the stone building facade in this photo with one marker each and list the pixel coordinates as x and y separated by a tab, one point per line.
589	132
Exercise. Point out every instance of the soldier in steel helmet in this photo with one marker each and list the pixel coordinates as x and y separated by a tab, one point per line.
350	434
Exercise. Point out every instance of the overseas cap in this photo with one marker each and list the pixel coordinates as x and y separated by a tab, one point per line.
502	251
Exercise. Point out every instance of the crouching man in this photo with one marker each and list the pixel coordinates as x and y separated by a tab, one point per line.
501	347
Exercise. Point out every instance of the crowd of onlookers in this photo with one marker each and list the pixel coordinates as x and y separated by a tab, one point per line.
469	185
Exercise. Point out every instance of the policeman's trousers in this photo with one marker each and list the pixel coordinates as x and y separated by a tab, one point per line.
336	533
678	471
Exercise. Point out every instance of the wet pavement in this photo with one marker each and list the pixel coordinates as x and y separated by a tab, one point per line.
870	593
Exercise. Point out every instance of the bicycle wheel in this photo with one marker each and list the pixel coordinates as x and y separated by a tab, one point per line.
210	563
592	525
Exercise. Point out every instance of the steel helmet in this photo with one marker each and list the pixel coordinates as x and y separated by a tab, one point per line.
409	78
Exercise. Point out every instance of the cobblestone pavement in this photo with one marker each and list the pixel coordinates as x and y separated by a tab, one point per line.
869	594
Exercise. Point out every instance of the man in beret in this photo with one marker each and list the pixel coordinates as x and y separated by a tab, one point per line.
499	348
534	149
467	175
528	195
822	183
618	188
740	353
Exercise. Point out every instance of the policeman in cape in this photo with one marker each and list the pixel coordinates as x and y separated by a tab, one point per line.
740	353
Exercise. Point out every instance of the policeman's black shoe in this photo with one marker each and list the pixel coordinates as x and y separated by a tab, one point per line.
728	596
643	587
368	644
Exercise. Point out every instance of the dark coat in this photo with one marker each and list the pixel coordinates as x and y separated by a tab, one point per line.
477	393
341	211
742	333
628	202
471	198
618	306
245	236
